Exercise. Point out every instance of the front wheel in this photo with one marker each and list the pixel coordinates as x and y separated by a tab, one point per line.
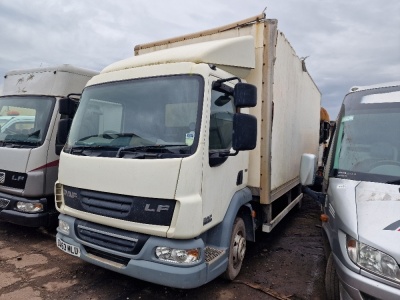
331	280
237	249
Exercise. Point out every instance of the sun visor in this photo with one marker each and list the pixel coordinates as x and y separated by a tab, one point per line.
381	98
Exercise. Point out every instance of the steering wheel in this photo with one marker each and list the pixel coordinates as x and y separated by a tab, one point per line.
380	163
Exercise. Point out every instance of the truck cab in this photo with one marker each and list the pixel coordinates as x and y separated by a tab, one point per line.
29	119
361	198
177	155
151	143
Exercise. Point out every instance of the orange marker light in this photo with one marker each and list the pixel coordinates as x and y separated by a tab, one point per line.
324	218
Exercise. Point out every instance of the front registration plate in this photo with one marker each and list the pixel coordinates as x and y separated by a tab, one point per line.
70	249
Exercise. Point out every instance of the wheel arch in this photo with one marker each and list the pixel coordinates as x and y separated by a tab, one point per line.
245	212
241	207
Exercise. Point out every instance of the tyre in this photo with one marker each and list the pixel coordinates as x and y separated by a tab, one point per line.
325	243
331	280
237	249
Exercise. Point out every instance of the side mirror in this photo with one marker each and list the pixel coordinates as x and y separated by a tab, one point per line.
245	95
62	134
244	137
244	132
67	106
324	130
308	168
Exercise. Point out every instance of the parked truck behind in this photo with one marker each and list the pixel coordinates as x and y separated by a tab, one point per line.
177	155
361	196
28	125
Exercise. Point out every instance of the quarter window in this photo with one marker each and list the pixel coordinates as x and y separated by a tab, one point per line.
221	121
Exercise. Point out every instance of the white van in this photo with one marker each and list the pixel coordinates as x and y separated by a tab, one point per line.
361	196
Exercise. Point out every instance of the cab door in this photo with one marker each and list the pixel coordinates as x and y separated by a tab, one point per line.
222	176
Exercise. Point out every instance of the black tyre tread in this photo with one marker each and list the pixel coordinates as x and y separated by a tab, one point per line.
331	280
325	242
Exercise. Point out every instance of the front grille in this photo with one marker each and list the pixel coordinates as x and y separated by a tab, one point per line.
110	238
118	207
13	179
212	253
128	208
4	202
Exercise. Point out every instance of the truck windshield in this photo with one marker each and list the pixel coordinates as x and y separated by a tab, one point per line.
24	120
153	117
367	145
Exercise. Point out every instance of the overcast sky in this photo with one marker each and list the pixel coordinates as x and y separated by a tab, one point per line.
348	42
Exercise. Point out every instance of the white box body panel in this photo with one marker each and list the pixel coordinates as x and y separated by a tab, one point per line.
52	81
280	79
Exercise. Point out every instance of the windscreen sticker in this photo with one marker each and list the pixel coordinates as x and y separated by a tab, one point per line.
347	118
189	138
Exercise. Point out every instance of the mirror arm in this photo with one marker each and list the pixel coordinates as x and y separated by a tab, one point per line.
224	154
220	81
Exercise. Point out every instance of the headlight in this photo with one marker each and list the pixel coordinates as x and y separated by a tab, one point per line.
63	227
29	207
372	260
178	255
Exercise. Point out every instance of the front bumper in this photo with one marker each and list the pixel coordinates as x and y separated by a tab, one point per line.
145	265
9	214
355	284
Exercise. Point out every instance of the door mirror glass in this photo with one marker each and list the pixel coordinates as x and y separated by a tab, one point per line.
67	106
324	131
308	168
245	95
62	134
244	132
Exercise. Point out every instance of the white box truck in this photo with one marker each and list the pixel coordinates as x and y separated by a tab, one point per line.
157	180
361	196
28	124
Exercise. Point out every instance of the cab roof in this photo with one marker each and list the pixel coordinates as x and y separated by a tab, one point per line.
374	86
235	52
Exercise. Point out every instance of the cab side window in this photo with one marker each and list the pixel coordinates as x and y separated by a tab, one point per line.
221	121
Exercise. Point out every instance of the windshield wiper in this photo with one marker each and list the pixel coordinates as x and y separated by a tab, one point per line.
108	135
80	148
145	148
19	143
88	137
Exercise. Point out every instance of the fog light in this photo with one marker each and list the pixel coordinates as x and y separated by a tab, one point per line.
29	207
63	227
178	255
